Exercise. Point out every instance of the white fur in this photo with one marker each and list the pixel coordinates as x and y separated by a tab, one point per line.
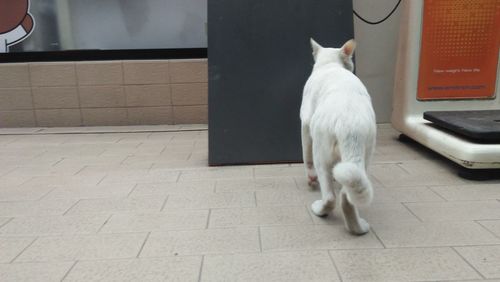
338	132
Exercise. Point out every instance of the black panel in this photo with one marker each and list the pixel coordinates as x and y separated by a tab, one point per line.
99	55
259	58
481	126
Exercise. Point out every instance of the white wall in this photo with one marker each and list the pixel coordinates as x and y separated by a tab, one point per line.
376	52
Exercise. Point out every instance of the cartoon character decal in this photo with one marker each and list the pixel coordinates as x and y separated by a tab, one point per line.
16	24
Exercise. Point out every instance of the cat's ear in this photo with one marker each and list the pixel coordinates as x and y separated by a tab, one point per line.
348	48
315	47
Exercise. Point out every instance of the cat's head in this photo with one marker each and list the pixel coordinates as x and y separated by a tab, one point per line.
342	55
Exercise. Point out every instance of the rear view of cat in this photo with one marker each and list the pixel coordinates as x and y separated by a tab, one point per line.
338	134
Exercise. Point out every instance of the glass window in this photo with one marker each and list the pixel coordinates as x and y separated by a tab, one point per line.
115	24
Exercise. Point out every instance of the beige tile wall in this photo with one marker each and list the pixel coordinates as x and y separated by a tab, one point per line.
103	93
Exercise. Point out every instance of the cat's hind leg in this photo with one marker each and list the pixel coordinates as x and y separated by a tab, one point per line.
323	162
307	155
353	222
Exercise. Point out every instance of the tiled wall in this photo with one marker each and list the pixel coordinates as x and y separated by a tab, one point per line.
103	93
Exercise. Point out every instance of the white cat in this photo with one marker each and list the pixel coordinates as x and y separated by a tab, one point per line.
338	134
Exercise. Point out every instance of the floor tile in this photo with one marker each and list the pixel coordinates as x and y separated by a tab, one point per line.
10	247
117	205
314	237
91	191
390	149
97	196
422	264
67	181
406	195
83	247
468	192
24	192
473	210
35	208
486	259
158	269
430	234
53	225
165	221
210	200
91	160
67	170
4	220
259	216
138	176
491	225
426	166
279	171
35	272
388	213
165	158
200	242
169	188
289	266
216	173
392	175
7	181
286	198
275	183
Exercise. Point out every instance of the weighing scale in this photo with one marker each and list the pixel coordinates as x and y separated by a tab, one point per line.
446	84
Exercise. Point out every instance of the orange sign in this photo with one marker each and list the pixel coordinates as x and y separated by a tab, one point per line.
459	51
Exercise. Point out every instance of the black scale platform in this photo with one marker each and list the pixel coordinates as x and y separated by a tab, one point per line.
479	126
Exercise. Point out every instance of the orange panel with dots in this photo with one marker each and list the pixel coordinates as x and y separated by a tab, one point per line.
459	51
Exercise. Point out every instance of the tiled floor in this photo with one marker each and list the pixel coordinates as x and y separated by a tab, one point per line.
143	206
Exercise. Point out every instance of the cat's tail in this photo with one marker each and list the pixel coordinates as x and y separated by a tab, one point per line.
355	182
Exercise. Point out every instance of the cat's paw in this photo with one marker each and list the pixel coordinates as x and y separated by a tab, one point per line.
361	229
319	208
312	181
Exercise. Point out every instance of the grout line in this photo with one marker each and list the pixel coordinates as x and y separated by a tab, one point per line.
485	228
32	97
40	132
335	266
260	238
23	250
208	218
398	164
216	183
255	198
437	193
5	223
468	263
164	204
83	168
132	190
143	244
56	163
378	238
150	168
214	186
105	222
123	161
409	210
69	270
46	194
102	179
79	98
201	267
72	206
311	216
